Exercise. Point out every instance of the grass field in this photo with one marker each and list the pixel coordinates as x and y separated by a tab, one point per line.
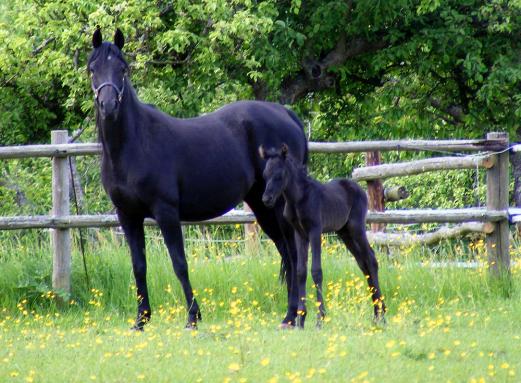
444	323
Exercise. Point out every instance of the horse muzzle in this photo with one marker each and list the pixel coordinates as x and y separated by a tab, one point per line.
109	109
108	97
269	201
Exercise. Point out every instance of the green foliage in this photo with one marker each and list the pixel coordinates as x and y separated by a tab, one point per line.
400	69
18	194
191	57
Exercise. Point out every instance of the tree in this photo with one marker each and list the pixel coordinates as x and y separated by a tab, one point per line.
354	69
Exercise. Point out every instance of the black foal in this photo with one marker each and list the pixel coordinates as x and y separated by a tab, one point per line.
314	208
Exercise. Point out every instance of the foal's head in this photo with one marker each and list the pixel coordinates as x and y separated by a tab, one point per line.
275	173
108	70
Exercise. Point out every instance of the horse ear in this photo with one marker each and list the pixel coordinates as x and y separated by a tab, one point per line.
119	39
97	39
262	152
284	150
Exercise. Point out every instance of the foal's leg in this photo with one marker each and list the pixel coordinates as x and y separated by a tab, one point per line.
302	262
170	225
135	236
354	236
280	232
316	271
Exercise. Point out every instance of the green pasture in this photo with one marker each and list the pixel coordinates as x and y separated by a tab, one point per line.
445	322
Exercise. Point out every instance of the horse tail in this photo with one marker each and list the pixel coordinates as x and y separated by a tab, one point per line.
284	272
295	118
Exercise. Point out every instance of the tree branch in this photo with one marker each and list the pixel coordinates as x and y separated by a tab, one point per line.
166	9
42	46
314	74
454	111
260	89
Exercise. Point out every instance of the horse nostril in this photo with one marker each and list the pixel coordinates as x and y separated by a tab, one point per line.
102	104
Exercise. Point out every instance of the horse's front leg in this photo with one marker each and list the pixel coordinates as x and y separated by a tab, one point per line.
135	236
316	271
302	262
170	225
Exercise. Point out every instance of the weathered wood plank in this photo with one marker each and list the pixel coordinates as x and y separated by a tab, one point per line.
497	199
420	166
52	150
60	237
103	220
409	145
389	216
406	239
437	215
395	193
81	149
375	190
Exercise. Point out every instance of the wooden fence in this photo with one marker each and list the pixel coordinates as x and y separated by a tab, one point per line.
492	220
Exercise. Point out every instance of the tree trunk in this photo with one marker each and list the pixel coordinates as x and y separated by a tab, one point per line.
251	234
76	190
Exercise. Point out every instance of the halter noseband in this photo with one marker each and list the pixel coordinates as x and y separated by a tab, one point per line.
109	83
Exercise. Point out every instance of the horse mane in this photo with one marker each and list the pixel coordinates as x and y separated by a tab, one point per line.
300	169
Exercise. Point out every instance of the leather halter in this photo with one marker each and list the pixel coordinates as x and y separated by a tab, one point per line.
109	83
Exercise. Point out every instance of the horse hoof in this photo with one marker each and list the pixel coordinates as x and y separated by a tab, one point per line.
301	318
379	321
137	328
191	326
286	326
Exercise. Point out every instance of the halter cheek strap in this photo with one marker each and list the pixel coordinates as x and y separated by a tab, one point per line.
109	83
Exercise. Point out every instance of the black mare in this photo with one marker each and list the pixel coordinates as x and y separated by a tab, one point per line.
170	169
314	208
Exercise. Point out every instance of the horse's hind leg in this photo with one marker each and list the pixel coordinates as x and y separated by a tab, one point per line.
280	232
316	271
302	271
170	225
354	236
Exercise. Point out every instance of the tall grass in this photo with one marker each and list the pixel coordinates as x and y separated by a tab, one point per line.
444	322
421	273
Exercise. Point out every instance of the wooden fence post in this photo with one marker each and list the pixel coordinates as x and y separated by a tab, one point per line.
60	238
375	191
497	199
251	234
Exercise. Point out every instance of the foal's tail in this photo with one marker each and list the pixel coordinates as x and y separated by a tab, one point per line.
295	118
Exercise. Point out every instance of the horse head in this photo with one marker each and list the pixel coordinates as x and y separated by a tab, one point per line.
275	173
108	70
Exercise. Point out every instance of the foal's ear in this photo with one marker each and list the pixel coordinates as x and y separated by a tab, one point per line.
119	39
262	152
284	150
97	39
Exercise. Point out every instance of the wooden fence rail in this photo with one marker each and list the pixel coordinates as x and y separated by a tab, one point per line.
83	149
493	220
240	217
422	166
